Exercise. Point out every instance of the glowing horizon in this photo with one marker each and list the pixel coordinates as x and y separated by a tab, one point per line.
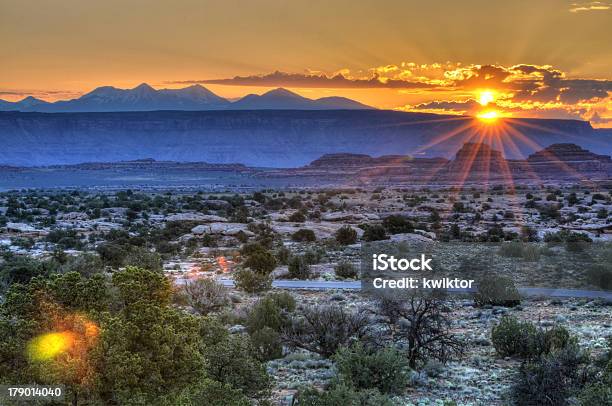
61	50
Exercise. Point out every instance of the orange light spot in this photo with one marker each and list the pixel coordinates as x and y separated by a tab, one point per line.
50	345
489	116
223	264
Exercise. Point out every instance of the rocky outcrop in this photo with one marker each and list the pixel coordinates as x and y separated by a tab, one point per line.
198	217
475	163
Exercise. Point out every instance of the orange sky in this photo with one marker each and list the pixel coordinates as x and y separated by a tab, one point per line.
549	58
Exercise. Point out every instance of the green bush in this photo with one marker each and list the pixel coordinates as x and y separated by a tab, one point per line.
262	262
346	270
312	257
341	394
386	369
232	361
512	337
304	235
298	269
251	248
596	394
374	233
252	282
267	344
397	224
552	378
497	291
209	393
266	313
283	255
574	242
346	235
297	217
283	299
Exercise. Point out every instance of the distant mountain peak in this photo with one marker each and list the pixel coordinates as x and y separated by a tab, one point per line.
31	101
281	91
144	85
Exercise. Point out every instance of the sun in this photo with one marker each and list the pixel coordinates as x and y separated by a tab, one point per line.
486	96
488	116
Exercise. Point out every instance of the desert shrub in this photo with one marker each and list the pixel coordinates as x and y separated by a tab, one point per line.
341	394
209	393
297	217
596	394
271	311
600	276
283	254
251	248
312	257
231	360
346	235
374	233
284	300
298	269
252	282
397	224
512	337
497	291
385	369
66	239
205	295
420	321
112	254
574	242
267	344
304	235
84	264
20	269
143	258
346	270
324	329
264	322
599	390
262	262
552	378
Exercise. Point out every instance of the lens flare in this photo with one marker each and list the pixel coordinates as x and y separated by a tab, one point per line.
50	345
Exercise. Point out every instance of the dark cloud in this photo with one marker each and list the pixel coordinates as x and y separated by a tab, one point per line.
532	83
465	106
338	81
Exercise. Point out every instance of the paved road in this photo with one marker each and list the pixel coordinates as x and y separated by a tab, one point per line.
533	292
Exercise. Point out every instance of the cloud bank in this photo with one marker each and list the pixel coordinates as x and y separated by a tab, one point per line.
522	89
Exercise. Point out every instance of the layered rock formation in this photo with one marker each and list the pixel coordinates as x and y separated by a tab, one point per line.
474	163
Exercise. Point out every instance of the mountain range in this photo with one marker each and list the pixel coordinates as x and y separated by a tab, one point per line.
193	98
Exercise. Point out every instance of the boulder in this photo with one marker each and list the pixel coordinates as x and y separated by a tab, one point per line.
221	228
203	218
341	216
